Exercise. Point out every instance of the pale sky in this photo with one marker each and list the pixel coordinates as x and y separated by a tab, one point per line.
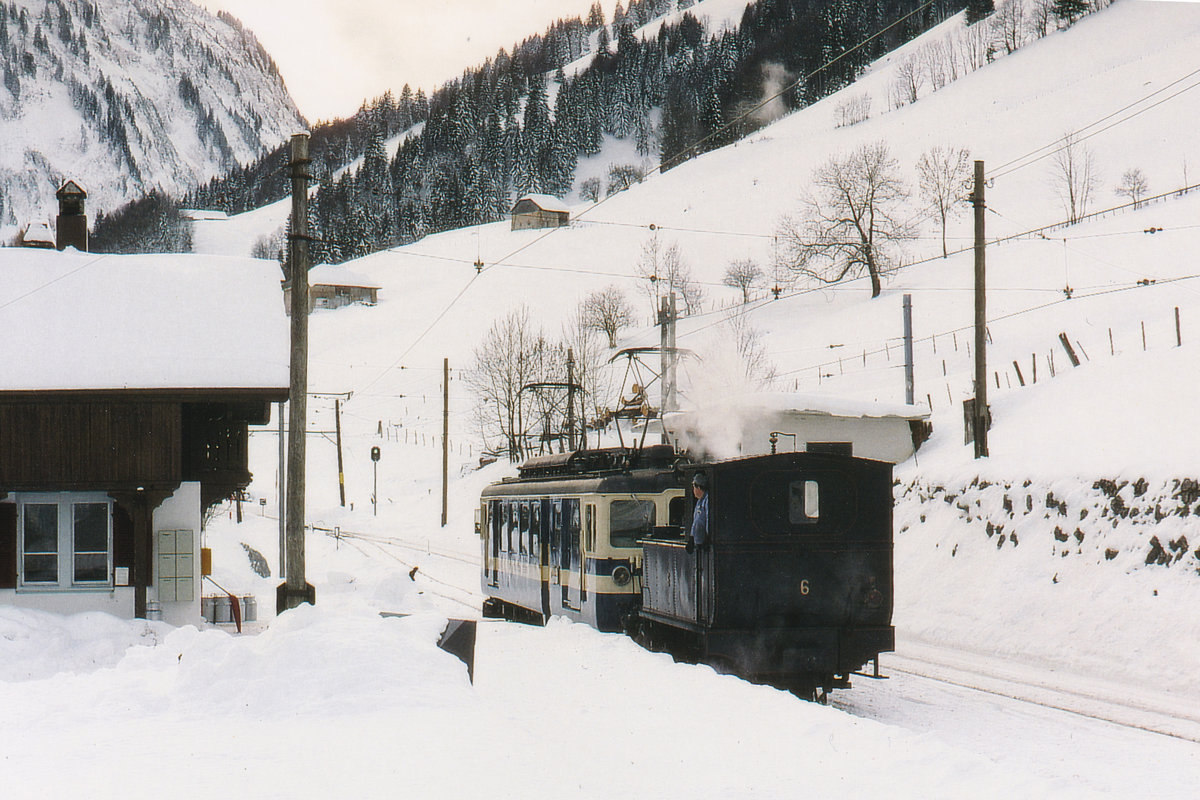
334	54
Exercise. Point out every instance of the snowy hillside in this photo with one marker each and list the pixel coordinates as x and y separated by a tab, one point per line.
126	97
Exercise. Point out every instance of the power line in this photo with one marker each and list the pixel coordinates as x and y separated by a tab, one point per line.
1062	143
53	281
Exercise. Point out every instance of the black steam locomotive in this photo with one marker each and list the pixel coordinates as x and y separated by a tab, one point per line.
793	587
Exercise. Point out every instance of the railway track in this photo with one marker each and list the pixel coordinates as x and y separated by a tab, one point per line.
1157	712
391	548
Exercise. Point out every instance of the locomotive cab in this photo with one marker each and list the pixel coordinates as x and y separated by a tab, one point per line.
794	586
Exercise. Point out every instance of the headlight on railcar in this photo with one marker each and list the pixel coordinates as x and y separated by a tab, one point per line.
621	576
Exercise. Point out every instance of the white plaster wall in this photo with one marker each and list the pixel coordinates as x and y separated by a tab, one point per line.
117	601
878	438
180	511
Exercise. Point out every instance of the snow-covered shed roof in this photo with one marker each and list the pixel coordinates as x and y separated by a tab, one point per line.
329	275
546	202
202	214
38	232
70	188
84	321
822	405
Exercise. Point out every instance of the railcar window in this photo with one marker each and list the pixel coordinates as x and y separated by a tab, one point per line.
804	502
589	517
523	534
630	520
512	526
535	526
675	511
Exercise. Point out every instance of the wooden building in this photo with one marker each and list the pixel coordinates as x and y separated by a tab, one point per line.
71	229
335	287
125	401
540	211
38	235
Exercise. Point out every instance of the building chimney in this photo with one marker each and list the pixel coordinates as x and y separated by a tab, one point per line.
72	230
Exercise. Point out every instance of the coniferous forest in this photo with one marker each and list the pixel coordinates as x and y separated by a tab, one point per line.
494	134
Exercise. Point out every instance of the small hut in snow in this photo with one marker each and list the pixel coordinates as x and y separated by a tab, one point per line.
539	211
334	287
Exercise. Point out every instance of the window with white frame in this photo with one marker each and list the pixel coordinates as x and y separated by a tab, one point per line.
65	540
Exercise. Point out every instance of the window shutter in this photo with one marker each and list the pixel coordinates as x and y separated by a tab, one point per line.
122	538
8	545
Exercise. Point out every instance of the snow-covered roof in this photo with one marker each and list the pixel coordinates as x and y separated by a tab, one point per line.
202	214
546	202
70	187
38	232
818	405
85	321
329	275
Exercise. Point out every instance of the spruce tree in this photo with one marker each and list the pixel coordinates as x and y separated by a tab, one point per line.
1070	10
978	9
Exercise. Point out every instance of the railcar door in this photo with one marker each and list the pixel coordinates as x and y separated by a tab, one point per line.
571	572
542	551
495	523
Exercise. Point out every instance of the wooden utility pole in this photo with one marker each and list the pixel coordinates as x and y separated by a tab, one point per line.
337	419
666	318
445	437
908	351
295	590
981	404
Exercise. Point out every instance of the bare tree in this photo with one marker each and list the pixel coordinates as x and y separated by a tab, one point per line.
622	176
591	189
973	45
944	180
743	274
853	110
590	373
1040	20
850	226
1074	176
1008	23
665	271
908	81
511	355
757	368
606	311
1133	185
938	63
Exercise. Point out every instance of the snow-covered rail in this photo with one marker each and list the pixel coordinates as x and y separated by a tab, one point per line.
1156	712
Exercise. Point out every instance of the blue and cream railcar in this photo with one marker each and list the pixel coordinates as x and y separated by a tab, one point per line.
562	538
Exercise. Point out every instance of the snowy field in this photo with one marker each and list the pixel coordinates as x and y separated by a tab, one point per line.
1032	576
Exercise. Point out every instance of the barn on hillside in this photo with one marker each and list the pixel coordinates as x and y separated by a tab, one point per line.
539	211
128	387
335	287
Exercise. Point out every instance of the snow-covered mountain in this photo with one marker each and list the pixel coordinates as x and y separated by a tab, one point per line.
128	96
